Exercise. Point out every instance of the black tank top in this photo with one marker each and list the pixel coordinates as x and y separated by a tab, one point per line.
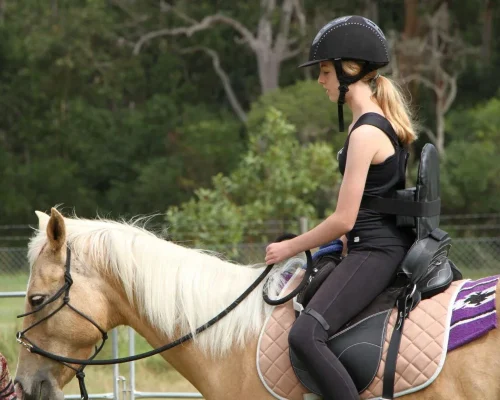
373	229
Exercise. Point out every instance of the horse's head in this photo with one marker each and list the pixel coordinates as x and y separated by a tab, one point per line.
62	330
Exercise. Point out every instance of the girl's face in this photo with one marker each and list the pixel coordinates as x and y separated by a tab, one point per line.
328	79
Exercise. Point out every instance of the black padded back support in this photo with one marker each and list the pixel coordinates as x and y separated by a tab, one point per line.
428	188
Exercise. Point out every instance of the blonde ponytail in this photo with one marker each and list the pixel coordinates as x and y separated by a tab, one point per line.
396	108
390	98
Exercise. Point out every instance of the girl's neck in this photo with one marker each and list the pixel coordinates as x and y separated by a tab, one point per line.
360	100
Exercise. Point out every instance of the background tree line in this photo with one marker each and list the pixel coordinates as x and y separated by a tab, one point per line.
197	110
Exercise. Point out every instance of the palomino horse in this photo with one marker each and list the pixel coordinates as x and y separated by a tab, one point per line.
124	275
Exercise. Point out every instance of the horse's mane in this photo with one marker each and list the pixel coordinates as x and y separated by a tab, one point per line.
174	287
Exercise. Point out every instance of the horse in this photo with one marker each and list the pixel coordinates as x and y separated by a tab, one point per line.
123	274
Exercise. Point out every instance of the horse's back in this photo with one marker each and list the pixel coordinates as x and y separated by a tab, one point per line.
471	371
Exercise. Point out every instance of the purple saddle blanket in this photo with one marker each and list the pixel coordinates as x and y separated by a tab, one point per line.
474	311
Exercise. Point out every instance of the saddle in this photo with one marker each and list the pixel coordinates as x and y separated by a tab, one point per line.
435	327
425	271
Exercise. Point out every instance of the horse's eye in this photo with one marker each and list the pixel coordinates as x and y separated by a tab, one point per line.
37	300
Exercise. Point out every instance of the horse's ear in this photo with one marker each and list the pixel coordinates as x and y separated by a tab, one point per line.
56	230
43	219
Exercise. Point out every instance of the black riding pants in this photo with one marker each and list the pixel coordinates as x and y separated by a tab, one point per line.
354	283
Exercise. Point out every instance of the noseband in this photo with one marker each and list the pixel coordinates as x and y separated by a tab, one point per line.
64	290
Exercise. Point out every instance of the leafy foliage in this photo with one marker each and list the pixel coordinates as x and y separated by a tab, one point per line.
276	179
307	107
88	124
471	168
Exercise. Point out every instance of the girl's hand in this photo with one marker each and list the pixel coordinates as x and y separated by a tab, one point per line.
277	252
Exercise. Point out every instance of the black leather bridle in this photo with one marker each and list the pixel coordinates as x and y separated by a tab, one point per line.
64	290
33	348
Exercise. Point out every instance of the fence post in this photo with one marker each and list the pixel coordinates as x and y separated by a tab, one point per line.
131	352
116	370
303	225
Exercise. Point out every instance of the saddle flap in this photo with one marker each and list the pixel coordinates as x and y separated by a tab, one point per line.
359	349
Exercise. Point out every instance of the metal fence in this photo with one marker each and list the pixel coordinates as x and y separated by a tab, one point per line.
479	255
13	260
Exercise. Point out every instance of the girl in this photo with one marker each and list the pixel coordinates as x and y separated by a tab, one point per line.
349	51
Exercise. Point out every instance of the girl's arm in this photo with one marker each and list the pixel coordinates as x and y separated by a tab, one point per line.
363	145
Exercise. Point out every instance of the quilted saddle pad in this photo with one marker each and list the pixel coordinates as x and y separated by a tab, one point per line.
422	352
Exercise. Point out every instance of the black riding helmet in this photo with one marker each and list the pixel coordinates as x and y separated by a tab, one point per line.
349	38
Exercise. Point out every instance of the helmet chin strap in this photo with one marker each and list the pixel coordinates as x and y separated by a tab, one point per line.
344	81
343	89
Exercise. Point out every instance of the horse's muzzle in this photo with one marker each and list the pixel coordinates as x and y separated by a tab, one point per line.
40	389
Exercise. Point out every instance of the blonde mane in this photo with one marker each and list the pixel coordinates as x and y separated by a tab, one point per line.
174	287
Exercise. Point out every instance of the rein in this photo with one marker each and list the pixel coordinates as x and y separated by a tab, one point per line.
68	282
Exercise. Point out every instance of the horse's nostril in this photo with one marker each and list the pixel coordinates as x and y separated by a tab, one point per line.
45	390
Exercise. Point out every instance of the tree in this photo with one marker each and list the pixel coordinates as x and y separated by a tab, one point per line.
487	31
471	169
435	60
277	180
307	107
273	43
87	126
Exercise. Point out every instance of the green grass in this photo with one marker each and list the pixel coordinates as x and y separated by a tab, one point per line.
13	282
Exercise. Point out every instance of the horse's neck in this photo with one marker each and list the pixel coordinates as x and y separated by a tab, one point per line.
237	368
231	377
203	287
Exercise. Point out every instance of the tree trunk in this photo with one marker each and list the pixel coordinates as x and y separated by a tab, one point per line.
411	19
2	11
269	69
54	7
410	31
487	31
430	58
440	126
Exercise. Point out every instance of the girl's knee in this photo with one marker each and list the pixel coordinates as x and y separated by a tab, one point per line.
304	333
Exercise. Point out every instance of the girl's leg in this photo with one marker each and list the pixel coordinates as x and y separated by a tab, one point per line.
351	287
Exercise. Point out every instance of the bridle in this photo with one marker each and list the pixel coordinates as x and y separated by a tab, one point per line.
64	290
33	348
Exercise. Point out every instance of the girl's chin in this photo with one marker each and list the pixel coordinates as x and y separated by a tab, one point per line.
332	98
